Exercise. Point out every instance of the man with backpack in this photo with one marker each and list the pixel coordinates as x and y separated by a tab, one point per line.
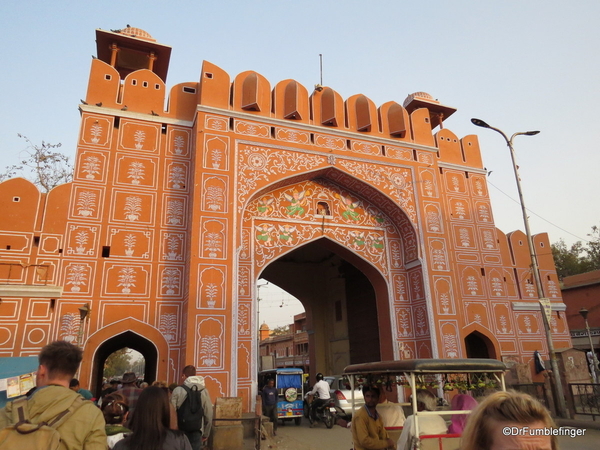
194	408
53	416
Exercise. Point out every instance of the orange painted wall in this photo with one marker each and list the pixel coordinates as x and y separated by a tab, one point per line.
159	225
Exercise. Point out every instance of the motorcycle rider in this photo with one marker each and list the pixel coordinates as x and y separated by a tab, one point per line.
321	388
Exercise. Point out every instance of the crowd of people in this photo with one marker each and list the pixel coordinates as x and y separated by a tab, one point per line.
128	415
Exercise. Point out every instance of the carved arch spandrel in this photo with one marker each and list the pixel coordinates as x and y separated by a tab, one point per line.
261	170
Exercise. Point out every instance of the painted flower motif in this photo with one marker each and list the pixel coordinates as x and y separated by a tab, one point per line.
257	161
398	180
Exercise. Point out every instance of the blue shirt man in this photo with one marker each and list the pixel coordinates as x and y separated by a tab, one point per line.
269	397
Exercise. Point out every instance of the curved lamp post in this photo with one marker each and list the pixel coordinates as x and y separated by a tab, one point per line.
584	314
558	387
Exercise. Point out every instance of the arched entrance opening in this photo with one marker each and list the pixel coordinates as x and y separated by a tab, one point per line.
341	295
479	346
130	340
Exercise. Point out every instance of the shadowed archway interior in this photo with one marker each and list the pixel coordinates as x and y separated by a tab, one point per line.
340	302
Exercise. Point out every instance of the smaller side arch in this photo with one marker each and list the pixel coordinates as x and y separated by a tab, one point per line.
139	331
480	343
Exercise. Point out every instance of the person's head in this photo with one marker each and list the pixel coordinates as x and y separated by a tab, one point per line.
150	420
58	362
189	371
382	396
271	382
129	378
461	402
319	376
172	387
484	430
74	384
160	383
143	385
115	409
371	395
426	401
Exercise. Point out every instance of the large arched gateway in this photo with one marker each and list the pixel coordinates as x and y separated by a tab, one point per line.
377	218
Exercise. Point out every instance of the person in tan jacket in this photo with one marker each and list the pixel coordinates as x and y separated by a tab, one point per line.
83	428
368	432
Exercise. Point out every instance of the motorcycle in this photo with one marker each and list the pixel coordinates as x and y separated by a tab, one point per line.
325	413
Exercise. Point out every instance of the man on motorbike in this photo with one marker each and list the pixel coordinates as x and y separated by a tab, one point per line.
321	388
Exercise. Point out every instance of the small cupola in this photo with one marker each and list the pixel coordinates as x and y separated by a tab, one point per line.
131	49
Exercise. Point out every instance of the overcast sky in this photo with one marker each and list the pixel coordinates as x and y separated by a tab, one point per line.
518	65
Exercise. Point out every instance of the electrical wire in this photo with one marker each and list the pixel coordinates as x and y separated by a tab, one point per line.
537	215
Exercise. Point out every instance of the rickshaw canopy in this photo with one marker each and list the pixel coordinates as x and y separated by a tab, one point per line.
422	366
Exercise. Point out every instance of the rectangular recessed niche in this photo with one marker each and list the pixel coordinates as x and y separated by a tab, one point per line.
134	82
117	122
36	241
189	90
107	77
208	75
8	247
16	199
144	84
157	86
106	251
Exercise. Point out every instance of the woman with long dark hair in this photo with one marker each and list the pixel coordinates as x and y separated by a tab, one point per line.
150	425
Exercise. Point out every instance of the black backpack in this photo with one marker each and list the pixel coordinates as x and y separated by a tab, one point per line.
190	414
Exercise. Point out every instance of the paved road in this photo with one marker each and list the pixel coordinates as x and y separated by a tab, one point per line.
292	437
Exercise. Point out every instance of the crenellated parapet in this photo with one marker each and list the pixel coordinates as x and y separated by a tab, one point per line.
143	91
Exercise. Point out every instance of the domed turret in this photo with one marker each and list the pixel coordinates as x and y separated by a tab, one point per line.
437	112
136	33
130	49
264	331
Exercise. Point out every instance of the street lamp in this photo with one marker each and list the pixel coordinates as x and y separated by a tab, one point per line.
558	388
584	314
